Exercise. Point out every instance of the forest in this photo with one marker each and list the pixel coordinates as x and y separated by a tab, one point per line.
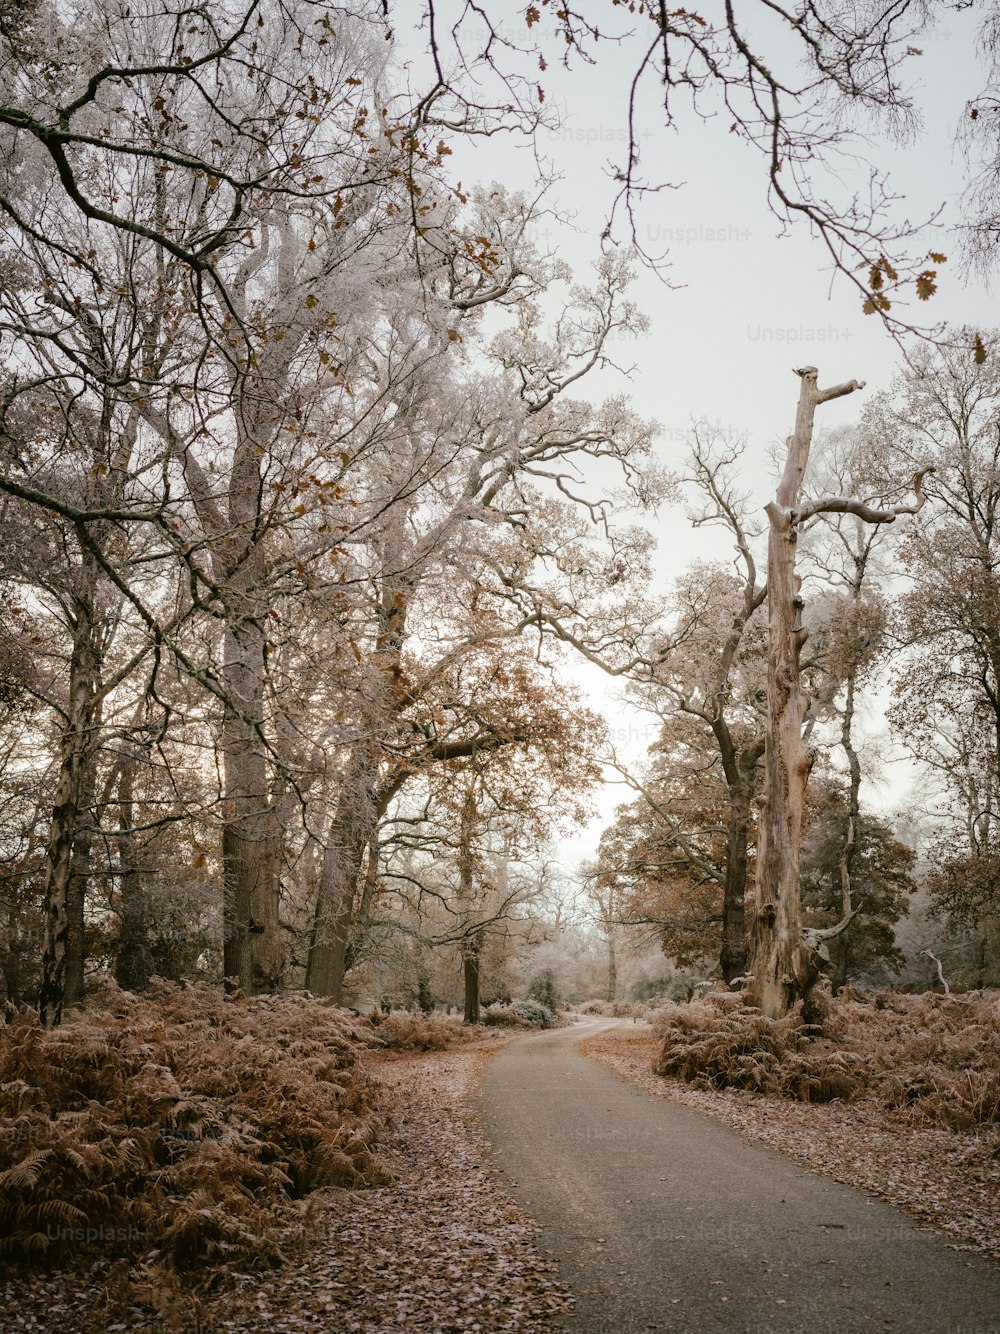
326	499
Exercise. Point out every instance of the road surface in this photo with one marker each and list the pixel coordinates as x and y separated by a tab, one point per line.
662	1219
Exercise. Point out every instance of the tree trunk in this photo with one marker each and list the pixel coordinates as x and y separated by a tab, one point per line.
842	951
612	967
76	897
733	956
351	831
781	971
358	808
62	941
253	948
471	947
133	961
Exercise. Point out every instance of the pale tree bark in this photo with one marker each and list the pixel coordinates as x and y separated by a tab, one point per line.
782	960
358	808
782	970
612	968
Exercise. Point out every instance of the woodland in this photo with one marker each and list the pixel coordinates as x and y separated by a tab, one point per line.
314	503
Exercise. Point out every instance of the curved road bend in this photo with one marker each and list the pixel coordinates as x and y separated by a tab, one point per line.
661	1218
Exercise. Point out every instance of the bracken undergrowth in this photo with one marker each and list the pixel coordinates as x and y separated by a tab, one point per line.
170	1128
934	1059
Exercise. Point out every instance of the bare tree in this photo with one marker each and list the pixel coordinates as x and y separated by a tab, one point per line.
781	961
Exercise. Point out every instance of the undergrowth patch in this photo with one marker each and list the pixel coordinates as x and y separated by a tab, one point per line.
935	1060
173	1126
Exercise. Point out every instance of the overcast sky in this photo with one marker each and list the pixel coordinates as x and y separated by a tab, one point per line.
749	303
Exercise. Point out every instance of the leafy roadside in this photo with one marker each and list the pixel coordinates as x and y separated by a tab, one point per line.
437	1244
945	1177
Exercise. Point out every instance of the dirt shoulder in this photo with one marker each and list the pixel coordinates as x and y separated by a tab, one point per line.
947	1178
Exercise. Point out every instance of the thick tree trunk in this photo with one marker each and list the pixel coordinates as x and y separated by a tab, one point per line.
133	961
253	947
781	971
733	956
62	944
351	831
471	947
359	809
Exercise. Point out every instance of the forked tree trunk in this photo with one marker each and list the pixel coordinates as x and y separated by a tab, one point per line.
782	968
359	808
351	831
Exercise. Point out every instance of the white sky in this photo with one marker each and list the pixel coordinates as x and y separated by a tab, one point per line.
752	303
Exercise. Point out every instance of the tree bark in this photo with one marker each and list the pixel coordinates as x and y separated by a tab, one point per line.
471	948
612	967
62	944
79	877
351	831
253	949
783	969
733	956
358	808
134	960
841	943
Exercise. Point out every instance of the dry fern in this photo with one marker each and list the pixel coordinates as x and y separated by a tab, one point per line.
933	1059
174	1125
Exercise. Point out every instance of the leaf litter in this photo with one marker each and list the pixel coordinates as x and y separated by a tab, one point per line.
441	1247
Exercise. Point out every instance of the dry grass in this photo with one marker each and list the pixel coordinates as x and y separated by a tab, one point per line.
174	1125
934	1060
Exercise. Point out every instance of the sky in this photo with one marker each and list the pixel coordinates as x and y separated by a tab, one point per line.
747	300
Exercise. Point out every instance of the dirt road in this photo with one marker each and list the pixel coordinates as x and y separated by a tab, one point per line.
662	1219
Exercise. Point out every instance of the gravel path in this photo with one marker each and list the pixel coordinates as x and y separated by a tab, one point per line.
661	1218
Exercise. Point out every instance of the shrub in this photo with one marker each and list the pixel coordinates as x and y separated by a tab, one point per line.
933	1059
534	1013
499	1015
177	1123
417	1032
523	1013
